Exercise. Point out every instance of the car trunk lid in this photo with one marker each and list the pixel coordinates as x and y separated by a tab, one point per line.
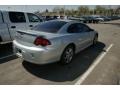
29	36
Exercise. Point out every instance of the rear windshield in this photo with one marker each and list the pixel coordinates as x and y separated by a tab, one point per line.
50	26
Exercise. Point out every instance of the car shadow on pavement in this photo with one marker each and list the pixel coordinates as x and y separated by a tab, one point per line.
6	53
60	73
6	49
9	58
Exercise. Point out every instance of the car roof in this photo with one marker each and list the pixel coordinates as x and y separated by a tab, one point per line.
14	11
65	20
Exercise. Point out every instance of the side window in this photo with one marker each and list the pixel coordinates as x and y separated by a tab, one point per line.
17	17
83	28
33	18
1	20
73	29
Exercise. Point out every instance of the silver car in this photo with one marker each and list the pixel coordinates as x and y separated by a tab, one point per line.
52	41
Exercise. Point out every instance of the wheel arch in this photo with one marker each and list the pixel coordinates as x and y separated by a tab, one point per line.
73	45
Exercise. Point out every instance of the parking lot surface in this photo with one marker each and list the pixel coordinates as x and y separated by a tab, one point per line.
15	71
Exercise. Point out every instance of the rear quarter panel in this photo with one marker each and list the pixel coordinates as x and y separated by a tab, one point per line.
62	41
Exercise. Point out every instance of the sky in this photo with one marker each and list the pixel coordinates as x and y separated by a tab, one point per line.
33	8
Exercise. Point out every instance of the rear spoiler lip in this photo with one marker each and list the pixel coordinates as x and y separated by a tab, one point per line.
36	33
22	33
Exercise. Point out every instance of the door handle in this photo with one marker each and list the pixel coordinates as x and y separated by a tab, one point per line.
13	26
30	25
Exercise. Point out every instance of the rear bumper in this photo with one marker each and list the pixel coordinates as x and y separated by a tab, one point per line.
36	55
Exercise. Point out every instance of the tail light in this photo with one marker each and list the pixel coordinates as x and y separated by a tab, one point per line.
42	41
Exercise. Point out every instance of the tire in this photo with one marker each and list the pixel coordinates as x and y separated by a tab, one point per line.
95	39
67	55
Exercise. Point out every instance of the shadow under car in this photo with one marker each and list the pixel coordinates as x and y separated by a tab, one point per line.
59	73
6	53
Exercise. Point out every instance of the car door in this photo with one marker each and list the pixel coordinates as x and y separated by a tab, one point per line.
17	21
33	20
4	33
86	35
80	35
76	37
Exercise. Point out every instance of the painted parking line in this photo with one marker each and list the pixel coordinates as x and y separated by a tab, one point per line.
7	56
85	75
